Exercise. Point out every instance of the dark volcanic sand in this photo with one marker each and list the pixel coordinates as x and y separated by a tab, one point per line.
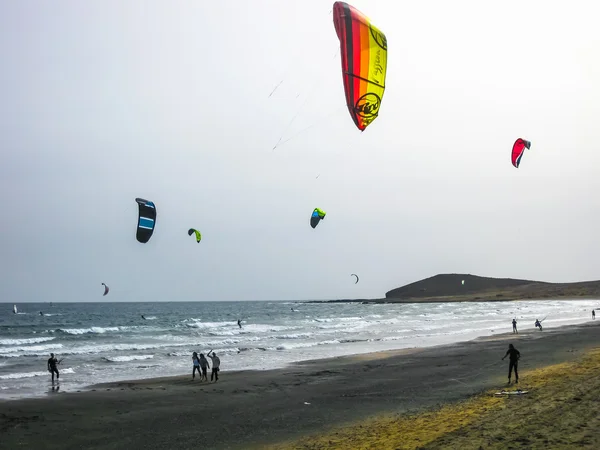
246	409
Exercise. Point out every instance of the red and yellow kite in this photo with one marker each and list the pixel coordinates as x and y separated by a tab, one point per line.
364	62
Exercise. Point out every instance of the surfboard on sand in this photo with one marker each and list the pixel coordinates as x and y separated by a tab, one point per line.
517	392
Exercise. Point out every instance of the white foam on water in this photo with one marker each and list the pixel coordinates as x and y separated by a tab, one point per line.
128	358
25	341
18	376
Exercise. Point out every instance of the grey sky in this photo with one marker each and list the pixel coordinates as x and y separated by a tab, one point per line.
106	101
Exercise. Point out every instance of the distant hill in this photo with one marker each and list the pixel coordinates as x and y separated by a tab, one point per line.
449	287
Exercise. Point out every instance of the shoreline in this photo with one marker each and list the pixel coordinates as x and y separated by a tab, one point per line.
343	359
251	409
340	359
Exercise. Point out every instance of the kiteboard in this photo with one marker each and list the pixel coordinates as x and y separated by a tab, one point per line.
517	392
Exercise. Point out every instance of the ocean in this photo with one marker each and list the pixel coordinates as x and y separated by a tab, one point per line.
103	342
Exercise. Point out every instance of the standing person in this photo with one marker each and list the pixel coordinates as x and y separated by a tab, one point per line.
515	326
196	363
593	315
216	362
513	355
204	365
52	363
240	323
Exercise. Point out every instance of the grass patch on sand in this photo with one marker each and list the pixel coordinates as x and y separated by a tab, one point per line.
561	410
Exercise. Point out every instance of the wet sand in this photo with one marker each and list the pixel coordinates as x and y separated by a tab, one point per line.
558	407
256	408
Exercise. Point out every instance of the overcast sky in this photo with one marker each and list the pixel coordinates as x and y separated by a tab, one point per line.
105	101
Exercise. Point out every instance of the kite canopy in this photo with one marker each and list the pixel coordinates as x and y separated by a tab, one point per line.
146	220
317	216
198	235
354	275
363	48
106	289
517	151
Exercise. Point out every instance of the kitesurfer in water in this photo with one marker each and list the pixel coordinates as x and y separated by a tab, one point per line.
514	322
204	366
143	317
52	363
216	362
41	313
513	355
196	363
240	323
593	315
538	324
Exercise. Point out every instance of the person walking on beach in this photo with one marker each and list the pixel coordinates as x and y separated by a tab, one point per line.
204	365
196	363
513	356
593	315
52	363
515	326
216	362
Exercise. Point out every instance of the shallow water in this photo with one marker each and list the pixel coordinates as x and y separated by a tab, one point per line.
103	342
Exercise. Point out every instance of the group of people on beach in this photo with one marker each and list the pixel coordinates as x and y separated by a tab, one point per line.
201	363
537	324
514	354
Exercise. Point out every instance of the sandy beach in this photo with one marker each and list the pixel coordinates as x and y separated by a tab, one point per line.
292	407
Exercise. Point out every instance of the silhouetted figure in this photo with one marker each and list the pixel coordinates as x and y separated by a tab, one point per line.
52	363
514	356
514	322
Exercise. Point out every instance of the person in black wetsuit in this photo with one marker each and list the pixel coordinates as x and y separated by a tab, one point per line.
513	355
52	363
515	326
538	324
240	323
593	315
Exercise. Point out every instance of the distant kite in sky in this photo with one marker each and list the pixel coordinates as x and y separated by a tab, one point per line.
517	151
354	275
146	220
198	235
316	217
106	289
363	49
